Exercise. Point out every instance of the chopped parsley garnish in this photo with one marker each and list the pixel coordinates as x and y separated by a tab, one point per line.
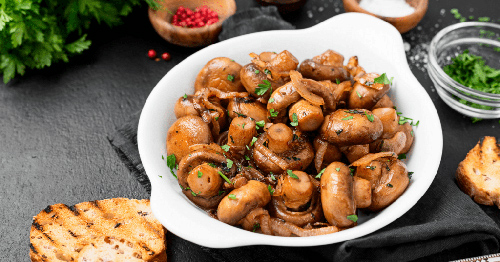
291	174
229	163
254	139
270	188
231	196
339	131
193	193
200	174
353	218
383	80
267	71
247	158
389	185
348	118
352	171
337	81
221	192
401	156
225	177
216	118
255	227
273	113
212	165
260	123
171	164
320	173
225	147
295	121
243	126
272	176
370	117
256	72
358	94
262	88
411	133
230	78
471	71
185	96
338	169
271	100
370	167
410	174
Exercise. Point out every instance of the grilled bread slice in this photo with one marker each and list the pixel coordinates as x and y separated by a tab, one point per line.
117	228
478	175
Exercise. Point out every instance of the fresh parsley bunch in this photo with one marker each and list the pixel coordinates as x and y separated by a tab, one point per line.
37	33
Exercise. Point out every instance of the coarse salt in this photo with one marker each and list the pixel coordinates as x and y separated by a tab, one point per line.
387	8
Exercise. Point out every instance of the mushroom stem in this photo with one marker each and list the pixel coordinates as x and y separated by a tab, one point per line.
279	135
241	132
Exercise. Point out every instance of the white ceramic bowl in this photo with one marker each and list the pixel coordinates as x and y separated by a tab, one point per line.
380	49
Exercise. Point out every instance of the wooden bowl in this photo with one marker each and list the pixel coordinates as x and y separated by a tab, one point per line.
284	6
403	24
189	37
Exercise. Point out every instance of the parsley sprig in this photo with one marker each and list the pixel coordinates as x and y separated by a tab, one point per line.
262	88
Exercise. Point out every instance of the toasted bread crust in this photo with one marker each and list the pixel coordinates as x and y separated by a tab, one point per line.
60	233
478	175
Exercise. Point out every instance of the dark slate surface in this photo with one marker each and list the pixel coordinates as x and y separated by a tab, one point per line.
54	122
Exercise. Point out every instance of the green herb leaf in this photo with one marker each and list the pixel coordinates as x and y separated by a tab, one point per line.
256	72
193	193
291	174
255	227
338	169
320	173
230	78
295	121
272	176
260	123
185	96
267	71
337	81
358	94
270	188
410	174
171	164
212	165
225	148
348	118
401	156
390	185
229	163
383	80
200	174
370	167
353	218
254	139
231	196
221	192
225	177
247	158
370	117
273	113
262	88
271	100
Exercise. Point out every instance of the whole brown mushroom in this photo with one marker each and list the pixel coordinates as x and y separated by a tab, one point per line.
366	93
221	73
351	127
185	132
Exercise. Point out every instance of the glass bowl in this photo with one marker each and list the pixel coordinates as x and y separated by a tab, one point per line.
481	39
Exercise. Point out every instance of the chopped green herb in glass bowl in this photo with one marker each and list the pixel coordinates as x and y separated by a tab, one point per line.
464	64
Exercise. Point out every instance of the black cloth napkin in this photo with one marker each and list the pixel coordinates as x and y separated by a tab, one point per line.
444	225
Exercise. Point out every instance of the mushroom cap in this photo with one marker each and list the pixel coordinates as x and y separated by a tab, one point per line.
222	73
187	131
253	194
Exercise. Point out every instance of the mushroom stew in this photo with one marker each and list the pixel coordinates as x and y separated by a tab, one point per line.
284	149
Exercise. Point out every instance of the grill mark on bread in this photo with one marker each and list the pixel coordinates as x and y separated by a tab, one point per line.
33	249
48	209
73	209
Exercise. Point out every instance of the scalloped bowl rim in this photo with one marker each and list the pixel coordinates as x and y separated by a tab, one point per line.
189	222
